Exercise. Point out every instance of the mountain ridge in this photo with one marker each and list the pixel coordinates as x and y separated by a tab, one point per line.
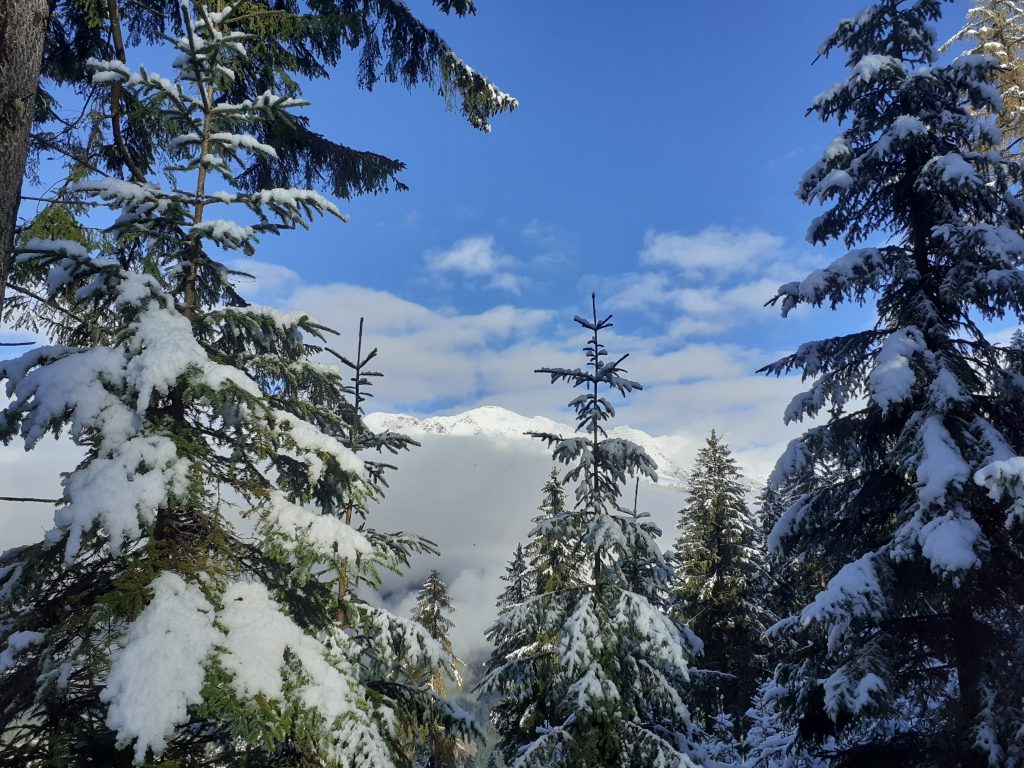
501	424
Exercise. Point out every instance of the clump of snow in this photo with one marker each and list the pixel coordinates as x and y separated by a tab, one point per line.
854	592
243	141
869	67
1005	478
311	442
893	378
950	542
835	179
940	465
16	643
953	168
158	672
842	695
324	533
228	234
259	638
118	489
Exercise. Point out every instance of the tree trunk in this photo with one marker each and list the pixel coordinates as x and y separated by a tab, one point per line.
22	30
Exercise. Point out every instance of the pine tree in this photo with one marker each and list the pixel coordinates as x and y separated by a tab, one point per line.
550	548
902	658
598	656
720	564
996	28
148	624
437	748
548	569
517	577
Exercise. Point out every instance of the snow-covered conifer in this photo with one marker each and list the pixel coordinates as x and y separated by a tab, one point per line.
996	28
151	623
433	746
519	585
433	605
902	657
544	565
719	567
598	656
550	545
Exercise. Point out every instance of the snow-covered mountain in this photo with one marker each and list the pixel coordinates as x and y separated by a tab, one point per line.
500	424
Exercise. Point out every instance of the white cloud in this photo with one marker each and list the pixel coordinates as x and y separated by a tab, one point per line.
506	281
714	250
427	356
472	256
707	284
477	257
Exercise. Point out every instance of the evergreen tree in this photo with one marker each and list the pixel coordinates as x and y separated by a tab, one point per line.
996	28
549	548
720	564
547	570
289	41
435	747
431	612
145	625
598	657
517	577
902	659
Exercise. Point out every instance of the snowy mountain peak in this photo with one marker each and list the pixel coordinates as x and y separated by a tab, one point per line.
500	424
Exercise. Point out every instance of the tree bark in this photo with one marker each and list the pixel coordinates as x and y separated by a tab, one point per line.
22	31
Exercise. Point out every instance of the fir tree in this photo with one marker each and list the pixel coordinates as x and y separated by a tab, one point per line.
902	658
550	549
145	625
720	565
996	28
435	747
598	656
547	570
289	41
517	577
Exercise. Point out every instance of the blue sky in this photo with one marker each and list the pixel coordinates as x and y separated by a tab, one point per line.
670	117
653	158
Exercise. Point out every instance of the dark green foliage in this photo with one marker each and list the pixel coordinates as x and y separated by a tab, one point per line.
290	39
432	608
720	563
904	496
517	577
